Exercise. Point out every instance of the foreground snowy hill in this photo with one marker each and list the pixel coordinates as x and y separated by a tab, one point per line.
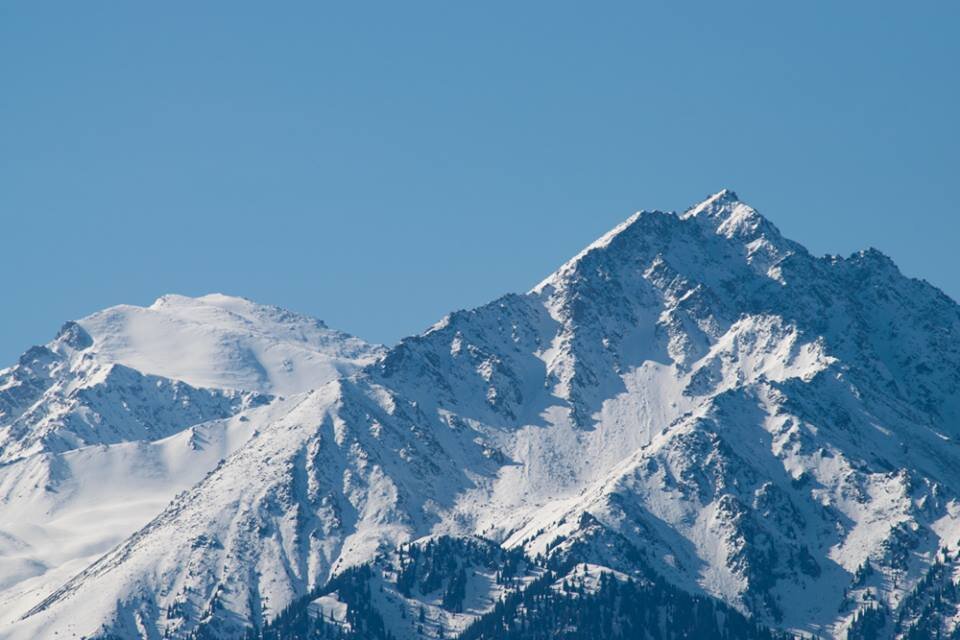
693	403
101	427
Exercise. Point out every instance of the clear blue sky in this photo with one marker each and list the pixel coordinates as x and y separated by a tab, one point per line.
379	164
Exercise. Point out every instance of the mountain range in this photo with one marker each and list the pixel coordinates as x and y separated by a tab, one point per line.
693	428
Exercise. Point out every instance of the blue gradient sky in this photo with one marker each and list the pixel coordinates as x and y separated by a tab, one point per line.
378	165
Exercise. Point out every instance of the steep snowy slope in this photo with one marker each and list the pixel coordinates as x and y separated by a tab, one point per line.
60	511
101	427
692	395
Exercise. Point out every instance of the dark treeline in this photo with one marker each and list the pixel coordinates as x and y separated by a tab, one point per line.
614	609
555	606
555	600
363	622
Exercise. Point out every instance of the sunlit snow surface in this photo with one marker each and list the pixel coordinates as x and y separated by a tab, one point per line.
758	422
227	343
128	407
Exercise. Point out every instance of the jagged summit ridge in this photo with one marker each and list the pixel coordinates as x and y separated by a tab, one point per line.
693	397
722	214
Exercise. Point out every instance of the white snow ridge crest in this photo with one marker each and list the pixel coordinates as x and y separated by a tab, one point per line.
692	397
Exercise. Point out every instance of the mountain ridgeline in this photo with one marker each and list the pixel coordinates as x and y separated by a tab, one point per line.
692	429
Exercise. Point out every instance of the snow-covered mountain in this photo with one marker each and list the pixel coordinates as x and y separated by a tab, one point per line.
133	373
224	342
692	397
101	427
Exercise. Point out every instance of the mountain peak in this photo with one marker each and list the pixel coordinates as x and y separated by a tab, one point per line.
722	214
215	299
717	200
223	341
719	205
726	215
